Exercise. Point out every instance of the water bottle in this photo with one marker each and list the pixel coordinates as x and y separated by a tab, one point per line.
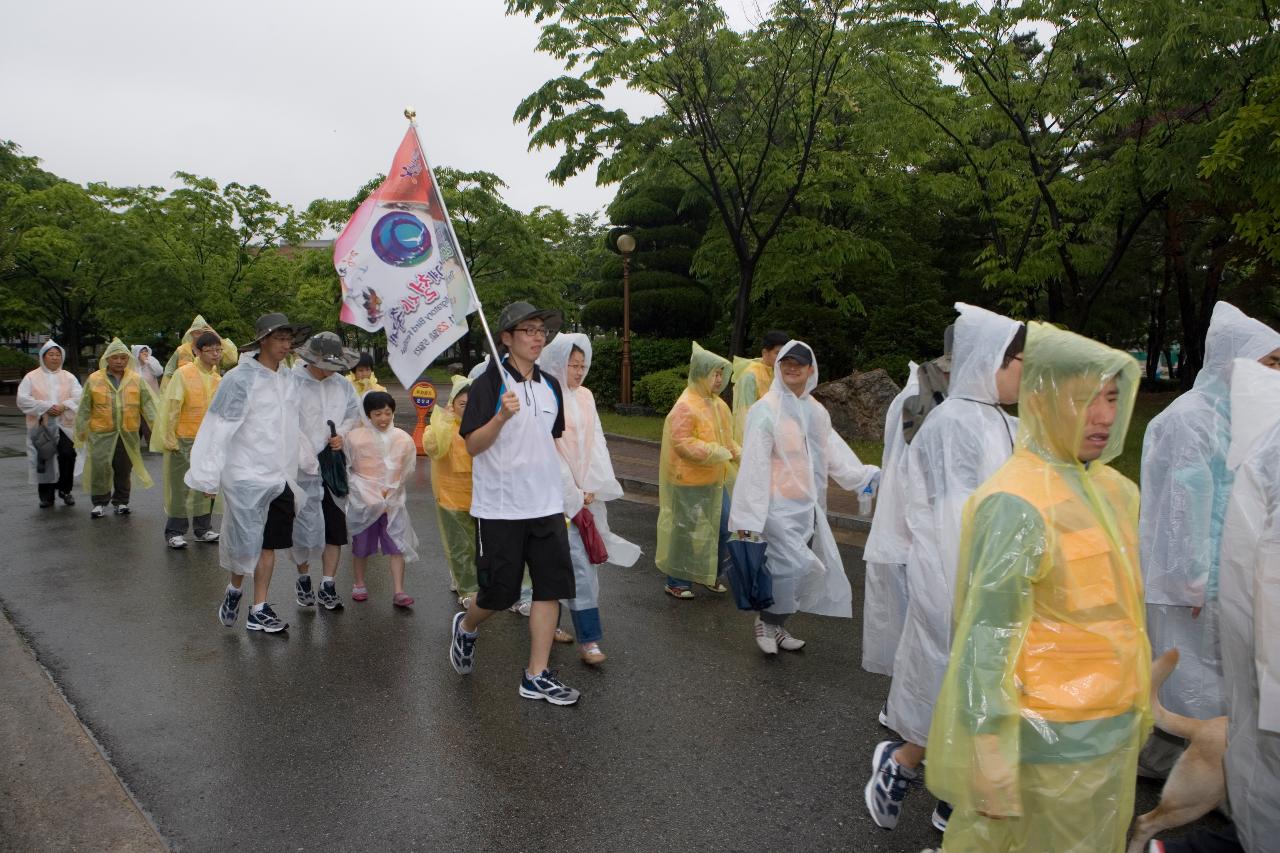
864	502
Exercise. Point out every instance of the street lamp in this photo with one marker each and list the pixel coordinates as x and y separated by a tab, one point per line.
626	245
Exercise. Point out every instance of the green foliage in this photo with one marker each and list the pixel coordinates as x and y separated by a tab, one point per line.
659	391
648	355
10	357
1248	152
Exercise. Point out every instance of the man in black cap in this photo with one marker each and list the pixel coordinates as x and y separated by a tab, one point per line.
512	419
247	449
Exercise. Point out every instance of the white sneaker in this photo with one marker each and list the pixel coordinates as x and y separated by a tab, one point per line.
521	607
765	638
176	542
98	512
123	509
208	536
785	641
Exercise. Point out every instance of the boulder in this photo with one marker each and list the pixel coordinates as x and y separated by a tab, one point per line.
858	403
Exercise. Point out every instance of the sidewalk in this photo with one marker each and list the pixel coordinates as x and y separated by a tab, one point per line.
635	461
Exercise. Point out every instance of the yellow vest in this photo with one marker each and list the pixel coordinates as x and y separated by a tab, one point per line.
197	391
112	406
1086	646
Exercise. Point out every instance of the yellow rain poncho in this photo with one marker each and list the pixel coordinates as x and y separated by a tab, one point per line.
752	379
183	403
1045	702
184	354
696	466
451	485
109	413
364	386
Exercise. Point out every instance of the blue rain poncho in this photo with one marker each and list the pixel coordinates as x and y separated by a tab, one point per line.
1185	487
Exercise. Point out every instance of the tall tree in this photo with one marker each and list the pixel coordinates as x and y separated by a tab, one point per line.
741	112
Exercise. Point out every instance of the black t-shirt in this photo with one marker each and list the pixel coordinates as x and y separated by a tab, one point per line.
484	397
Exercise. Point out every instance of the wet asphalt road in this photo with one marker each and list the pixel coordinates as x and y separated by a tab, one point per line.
352	732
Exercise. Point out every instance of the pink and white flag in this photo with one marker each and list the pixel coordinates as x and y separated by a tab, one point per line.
400	267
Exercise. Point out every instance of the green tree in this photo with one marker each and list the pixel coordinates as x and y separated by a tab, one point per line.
741	112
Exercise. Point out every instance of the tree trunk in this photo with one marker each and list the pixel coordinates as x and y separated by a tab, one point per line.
1057	306
1192	356
1158	326
742	309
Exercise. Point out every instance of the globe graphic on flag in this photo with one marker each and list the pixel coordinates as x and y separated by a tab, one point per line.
401	239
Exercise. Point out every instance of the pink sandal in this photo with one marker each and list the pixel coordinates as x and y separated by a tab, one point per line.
359	593
402	599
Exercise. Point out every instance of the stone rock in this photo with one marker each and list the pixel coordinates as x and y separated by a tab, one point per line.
858	403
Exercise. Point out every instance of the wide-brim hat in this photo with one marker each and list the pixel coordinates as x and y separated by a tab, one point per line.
324	350
517	312
269	324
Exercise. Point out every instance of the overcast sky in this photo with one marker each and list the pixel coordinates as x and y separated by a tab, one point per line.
304	98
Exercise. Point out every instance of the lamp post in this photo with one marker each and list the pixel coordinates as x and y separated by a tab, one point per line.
626	245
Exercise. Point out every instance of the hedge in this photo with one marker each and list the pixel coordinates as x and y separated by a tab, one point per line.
659	391
648	355
10	357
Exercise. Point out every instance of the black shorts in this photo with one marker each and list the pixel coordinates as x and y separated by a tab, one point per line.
505	546
335	520
278	531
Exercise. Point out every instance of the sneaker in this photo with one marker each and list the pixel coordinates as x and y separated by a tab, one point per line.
208	536
786	642
546	686
45	503
888	786
327	595
884	714
562	636
98	512
765	638
464	602
176	542
521	607
462	648
122	509
230	607
591	654
67	498
302	589
941	814
265	620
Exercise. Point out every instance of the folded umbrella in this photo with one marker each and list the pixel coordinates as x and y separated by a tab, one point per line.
597	553
333	466
749	574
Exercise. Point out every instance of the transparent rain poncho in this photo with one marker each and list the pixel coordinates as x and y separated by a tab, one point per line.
319	401
1185	487
364	386
1249	592
751	381
183	404
150	370
1045	703
585	465
781	492
696	465
884	597
451	485
963	442
184	354
247	451
39	391
379	465
110	413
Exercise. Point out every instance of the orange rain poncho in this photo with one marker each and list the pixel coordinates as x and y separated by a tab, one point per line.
109	413
1045	702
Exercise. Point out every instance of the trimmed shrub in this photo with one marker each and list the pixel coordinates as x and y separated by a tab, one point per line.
10	357
648	355
659	391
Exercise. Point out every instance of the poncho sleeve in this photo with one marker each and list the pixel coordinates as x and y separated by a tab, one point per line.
227	411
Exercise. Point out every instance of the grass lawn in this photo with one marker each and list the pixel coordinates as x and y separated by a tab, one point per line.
870	452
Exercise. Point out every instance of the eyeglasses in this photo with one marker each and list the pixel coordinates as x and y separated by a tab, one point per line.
533	331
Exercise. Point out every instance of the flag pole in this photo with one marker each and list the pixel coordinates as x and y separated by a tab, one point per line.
411	115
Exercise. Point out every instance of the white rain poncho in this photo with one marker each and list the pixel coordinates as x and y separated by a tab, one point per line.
1185	487
965	440
39	391
585	466
247	451
150	370
781	492
379	466
319	401
1249	596
884	599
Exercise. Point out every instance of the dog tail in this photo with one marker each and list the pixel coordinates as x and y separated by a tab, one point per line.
1174	724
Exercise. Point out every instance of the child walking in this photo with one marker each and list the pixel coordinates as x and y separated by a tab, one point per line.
380	459
451	485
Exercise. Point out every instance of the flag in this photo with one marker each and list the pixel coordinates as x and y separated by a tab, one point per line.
400	268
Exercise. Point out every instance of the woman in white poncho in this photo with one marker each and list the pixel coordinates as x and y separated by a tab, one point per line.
587	474
1185	487
1249	596
789	452
964	441
52	394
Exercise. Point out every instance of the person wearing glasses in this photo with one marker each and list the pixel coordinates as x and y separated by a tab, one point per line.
514	415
